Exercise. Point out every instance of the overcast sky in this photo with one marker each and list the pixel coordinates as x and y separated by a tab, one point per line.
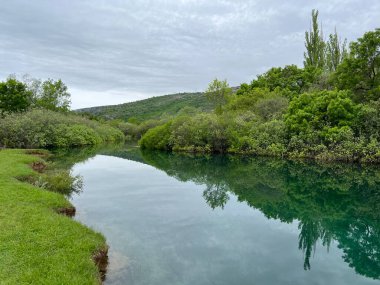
115	51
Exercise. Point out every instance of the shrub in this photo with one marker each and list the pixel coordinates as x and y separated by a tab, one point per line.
205	132
271	108
247	100
157	138
311	112
267	138
40	128
367	122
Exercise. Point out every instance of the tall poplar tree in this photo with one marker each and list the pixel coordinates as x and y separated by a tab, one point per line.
335	51
315	45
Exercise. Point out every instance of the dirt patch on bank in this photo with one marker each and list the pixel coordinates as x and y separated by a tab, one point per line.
39	166
69	211
101	260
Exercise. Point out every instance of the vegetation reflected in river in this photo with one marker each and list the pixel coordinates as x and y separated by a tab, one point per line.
338	202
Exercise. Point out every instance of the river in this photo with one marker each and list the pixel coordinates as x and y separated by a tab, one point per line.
187	219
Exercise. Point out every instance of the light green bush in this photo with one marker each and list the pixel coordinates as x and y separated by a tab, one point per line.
157	138
41	128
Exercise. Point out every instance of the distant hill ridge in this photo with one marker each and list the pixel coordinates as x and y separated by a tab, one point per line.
151	108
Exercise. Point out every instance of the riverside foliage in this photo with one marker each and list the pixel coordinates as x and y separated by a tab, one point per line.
36	114
40	128
328	110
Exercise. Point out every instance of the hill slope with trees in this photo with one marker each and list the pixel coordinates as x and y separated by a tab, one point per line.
327	110
151	108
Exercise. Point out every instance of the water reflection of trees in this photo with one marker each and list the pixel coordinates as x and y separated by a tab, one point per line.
330	202
216	195
310	232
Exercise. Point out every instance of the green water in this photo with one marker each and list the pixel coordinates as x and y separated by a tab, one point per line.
180	219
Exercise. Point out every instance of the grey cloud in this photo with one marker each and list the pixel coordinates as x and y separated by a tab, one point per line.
156	47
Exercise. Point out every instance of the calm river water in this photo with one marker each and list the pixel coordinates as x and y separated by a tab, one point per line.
182	219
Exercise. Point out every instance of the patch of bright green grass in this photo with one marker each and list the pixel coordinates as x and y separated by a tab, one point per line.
37	245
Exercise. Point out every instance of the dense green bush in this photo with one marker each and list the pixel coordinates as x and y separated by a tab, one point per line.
367	121
268	138
248	99
203	132
134	131
290	77
271	108
14	96
41	128
157	138
143	127
317	111
359	71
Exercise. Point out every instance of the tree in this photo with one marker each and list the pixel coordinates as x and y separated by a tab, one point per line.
360	71
315	45
335	52
367	121
33	85
290	77
14	96
311	113
217	92
53	95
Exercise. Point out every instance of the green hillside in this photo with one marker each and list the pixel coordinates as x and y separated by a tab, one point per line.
151	108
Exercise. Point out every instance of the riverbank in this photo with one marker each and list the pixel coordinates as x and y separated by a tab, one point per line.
37	244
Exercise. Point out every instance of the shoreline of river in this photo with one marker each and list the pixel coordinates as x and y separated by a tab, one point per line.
41	224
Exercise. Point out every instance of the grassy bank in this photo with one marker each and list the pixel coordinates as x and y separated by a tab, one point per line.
38	245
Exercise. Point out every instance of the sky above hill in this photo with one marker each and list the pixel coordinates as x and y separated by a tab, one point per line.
112	51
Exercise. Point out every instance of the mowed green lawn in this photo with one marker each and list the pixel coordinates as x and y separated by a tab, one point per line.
37	245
